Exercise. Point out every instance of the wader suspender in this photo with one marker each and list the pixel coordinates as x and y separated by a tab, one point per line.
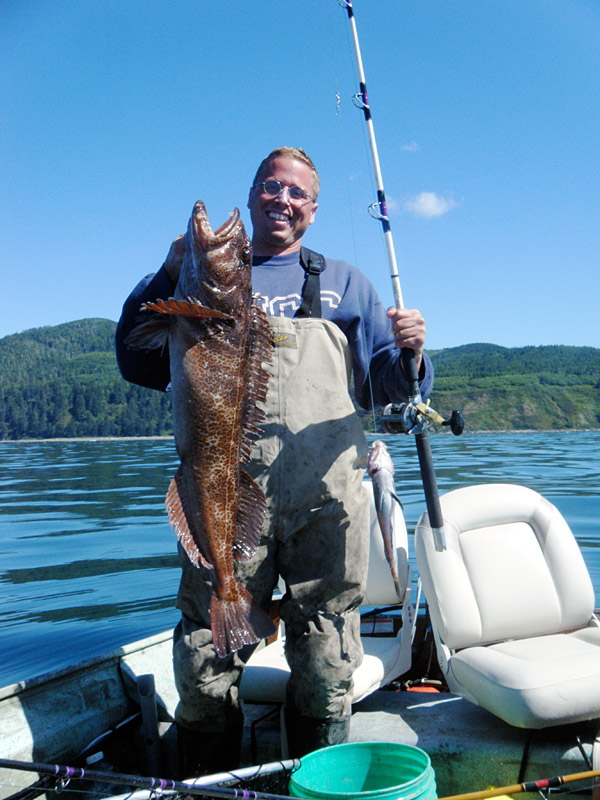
313	264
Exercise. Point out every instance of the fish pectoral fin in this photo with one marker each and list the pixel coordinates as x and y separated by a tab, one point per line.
238	622
149	335
178	519
186	308
397	499
250	516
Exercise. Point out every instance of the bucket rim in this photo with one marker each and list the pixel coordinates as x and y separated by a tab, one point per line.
369	794
398	745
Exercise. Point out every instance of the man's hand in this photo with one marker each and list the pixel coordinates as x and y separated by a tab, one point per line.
408	329
174	259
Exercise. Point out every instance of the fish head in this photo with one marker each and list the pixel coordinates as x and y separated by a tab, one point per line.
217	265
379	459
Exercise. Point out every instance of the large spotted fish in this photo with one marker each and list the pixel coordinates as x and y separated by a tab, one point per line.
218	340
380	468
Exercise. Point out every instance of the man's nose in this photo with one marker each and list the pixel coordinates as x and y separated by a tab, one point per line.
280	195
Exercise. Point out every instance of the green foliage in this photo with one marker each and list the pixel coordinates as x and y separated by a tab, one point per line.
63	381
520	388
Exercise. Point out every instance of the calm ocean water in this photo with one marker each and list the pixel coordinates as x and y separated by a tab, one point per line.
88	561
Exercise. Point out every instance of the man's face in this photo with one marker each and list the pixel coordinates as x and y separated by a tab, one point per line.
279	223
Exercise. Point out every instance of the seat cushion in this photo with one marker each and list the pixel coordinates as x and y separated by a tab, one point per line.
380	665
533	683
266	674
511	568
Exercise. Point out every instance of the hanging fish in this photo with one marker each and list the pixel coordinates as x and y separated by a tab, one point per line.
380	468
218	340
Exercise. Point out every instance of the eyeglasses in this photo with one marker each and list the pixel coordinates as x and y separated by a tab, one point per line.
273	188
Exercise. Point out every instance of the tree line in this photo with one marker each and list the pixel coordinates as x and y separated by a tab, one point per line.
63	381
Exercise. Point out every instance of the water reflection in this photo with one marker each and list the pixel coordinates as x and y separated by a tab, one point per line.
87	553
89	561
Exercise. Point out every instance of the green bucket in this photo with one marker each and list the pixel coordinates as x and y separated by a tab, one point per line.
365	770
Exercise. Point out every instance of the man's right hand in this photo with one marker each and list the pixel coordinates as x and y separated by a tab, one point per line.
174	259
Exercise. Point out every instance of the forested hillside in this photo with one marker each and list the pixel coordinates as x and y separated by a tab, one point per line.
63	381
519	388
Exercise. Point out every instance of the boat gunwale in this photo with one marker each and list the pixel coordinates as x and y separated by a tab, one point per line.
89	664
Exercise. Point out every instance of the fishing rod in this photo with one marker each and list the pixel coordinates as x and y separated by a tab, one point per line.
64	775
414	416
528	786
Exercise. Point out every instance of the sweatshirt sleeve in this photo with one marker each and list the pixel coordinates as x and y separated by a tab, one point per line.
378	375
148	368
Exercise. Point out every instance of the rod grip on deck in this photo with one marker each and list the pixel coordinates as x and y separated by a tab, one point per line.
147	695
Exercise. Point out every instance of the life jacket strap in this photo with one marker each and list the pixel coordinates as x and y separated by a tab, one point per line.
313	264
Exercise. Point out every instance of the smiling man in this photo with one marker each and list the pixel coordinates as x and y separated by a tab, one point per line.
326	323
280	220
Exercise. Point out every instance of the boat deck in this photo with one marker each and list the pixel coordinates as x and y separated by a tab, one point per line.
469	748
49	718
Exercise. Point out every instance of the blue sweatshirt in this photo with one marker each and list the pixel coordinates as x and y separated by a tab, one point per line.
348	299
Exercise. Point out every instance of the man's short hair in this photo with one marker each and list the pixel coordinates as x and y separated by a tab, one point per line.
289	152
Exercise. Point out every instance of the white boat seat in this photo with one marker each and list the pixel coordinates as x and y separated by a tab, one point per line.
266	674
512	606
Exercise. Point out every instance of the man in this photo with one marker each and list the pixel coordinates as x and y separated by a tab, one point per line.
326	321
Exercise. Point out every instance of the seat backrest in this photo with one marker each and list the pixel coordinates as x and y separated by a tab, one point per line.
380	586
511	568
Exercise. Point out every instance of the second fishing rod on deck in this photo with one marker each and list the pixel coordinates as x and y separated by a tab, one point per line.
415	416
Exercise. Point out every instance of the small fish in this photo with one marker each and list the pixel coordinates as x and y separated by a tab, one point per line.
218	341
380	468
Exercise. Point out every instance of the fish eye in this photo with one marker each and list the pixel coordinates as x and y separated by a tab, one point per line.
246	255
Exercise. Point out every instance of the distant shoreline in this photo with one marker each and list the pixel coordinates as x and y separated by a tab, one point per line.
385	435
91	439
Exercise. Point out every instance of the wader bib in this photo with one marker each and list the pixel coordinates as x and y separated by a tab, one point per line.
310	462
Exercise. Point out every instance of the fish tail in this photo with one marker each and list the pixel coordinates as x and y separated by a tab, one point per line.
238	622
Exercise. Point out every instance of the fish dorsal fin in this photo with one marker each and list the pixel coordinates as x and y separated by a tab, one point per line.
250	516
259	352
178	519
252	505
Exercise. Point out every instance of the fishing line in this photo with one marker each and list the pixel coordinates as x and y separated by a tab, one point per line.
414	413
349	197
340	114
364	134
351	205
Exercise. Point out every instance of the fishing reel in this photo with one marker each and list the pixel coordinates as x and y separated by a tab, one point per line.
417	417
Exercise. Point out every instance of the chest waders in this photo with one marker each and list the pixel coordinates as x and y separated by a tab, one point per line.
310	462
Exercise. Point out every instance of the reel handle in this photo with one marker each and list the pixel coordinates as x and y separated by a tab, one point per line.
456	423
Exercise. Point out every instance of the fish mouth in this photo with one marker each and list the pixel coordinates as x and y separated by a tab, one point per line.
205	234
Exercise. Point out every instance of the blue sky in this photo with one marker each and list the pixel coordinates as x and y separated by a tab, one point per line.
118	115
